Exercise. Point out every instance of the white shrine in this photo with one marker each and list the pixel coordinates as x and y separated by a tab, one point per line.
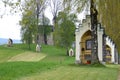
107	52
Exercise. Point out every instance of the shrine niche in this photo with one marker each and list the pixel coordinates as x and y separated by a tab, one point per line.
83	44
108	54
91	40
86	47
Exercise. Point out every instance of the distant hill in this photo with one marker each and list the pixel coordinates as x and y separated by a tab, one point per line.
4	41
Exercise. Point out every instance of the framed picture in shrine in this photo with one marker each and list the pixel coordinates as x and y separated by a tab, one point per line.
88	44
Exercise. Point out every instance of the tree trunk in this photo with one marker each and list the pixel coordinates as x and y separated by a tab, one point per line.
45	39
94	39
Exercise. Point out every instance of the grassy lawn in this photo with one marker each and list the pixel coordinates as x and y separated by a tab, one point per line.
76	73
54	66
6	53
14	70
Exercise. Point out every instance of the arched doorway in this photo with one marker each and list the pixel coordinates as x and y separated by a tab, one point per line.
108	54
86	48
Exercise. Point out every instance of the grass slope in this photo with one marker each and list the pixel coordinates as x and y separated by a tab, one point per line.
55	66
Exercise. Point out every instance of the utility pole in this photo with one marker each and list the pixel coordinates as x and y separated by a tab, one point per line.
94	39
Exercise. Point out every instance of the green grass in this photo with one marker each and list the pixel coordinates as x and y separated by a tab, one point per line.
55	66
8	52
12	70
76	73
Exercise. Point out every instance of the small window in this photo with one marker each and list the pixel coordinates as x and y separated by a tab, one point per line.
88	44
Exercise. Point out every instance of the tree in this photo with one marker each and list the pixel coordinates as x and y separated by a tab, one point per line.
26	5
40	7
45	27
55	6
74	6
69	6
66	27
28	26
34	16
108	9
94	39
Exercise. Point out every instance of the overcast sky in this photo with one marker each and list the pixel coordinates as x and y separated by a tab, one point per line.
9	27
9	24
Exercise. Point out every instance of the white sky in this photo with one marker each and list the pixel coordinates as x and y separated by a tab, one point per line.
9	24
9	27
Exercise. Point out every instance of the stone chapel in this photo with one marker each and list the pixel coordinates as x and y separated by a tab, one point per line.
107	51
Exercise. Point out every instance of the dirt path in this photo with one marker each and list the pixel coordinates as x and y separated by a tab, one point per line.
28	56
